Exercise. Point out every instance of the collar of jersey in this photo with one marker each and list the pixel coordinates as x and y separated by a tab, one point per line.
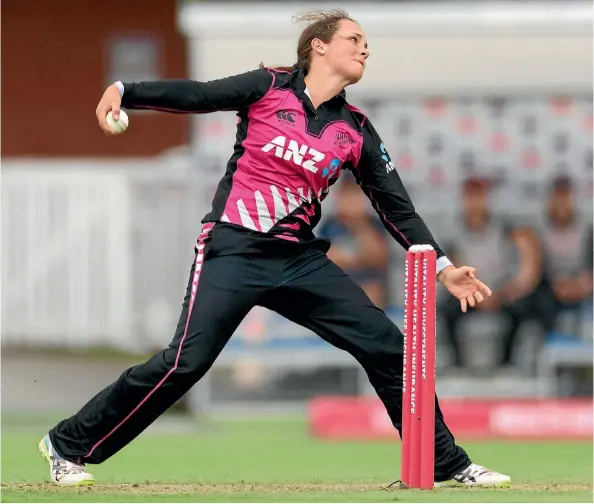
299	84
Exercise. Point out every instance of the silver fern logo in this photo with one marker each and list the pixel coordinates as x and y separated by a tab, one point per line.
343	139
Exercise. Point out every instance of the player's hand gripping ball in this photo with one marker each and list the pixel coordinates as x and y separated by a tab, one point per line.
120	125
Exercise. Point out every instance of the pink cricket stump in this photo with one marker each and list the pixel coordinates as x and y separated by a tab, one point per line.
406	376
418	397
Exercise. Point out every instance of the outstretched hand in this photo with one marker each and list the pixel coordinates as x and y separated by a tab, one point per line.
463	284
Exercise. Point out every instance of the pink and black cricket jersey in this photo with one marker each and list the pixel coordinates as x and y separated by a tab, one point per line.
287	154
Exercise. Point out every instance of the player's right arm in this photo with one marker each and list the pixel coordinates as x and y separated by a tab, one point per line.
185	96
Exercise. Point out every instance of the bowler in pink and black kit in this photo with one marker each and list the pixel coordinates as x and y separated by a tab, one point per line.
257	247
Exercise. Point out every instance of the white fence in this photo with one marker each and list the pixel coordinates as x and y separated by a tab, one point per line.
64	252
93	254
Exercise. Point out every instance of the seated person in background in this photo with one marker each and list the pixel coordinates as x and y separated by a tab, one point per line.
509	259
567	242
359	244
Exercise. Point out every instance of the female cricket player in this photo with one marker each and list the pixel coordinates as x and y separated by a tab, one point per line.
295	133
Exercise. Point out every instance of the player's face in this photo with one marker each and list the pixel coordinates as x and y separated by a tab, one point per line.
347	52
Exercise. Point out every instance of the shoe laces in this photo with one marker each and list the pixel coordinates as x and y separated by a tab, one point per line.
475	469
470	473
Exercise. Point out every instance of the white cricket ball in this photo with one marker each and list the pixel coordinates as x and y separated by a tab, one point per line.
120	125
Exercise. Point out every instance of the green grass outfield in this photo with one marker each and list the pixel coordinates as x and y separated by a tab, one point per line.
276	461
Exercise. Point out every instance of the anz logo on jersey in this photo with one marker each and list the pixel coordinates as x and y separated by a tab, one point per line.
386	157
301	155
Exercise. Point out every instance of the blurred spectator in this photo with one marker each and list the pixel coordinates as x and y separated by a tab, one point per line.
567	241
508	259
359	242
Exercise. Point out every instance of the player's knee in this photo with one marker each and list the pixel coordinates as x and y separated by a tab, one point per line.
192	367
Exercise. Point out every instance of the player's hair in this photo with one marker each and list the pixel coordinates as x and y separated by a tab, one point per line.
323	25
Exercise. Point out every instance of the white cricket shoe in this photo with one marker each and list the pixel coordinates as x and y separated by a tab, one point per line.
476	475
62	471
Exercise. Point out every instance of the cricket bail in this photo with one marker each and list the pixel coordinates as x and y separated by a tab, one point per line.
420	248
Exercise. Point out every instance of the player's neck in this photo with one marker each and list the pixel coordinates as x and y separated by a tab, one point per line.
323	86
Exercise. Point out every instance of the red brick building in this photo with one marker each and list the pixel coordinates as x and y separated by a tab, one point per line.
58	57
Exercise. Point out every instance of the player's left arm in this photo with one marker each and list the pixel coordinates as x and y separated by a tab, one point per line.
380	181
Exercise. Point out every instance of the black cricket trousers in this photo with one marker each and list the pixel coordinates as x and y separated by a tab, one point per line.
234	270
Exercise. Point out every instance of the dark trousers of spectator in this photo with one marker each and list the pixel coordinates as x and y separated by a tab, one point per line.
235	270
538	306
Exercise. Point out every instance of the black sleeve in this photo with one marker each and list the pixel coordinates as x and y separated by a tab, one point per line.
230	93
381	183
